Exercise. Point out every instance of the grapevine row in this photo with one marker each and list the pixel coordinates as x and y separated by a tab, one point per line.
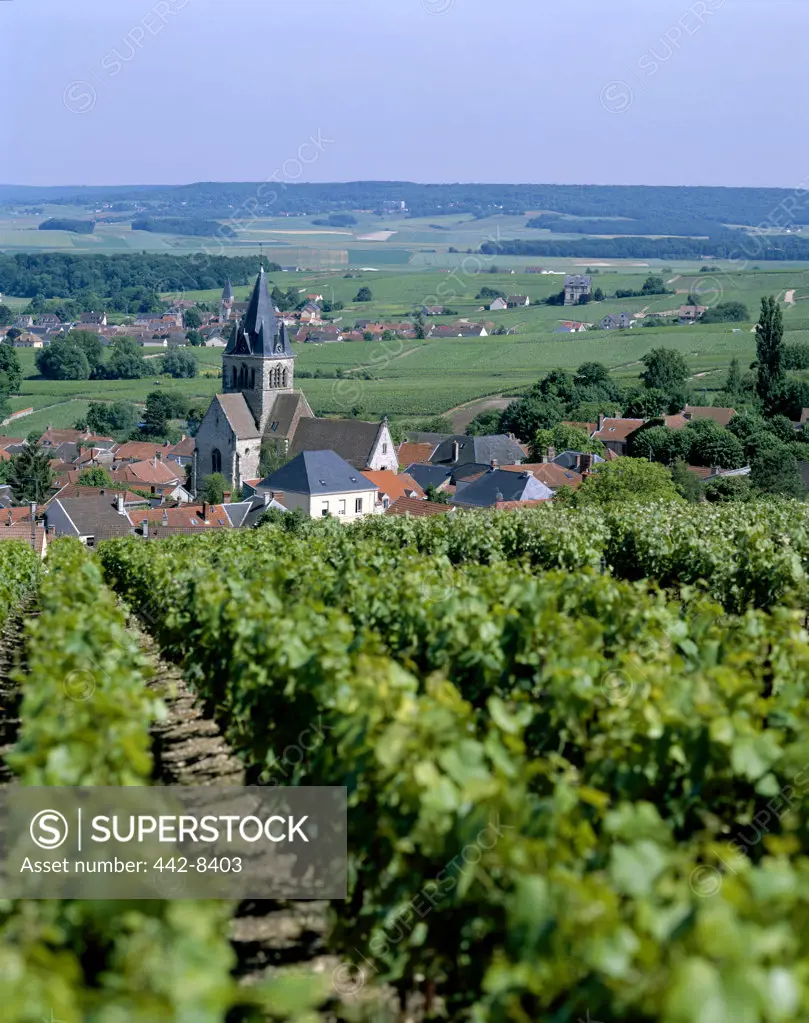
543	770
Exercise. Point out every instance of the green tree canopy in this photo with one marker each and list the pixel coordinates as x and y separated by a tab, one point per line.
119	417
666	370
63	360
364	295
192	319
95	476
30	475
626	480
769	353
126	361
213	488
180	364
10	370
775	471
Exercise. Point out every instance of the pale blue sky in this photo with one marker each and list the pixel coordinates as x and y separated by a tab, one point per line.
595	91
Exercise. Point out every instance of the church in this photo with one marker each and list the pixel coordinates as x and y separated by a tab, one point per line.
260	405
259	402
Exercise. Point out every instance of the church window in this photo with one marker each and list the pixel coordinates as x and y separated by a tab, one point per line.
216	460
252	379
284	378
235	377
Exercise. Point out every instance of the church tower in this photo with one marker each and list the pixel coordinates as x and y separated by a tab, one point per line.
226	305
258	361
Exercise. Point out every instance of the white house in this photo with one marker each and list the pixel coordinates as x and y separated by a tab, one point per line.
321	483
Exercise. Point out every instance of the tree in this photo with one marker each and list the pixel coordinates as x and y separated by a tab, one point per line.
126	361
6	315
436	496
180	364
192	319
626	480
593	374
120	417
647	403
195	338
687	483
419	326
484	423
726	312
90	344
10	370
435	424
564	438
157	414
96	476
769	353
273	457
654	286
531	413
728	488
63	361
660	444
666	370
733	381
30	475
714	446
364	295
214	487
775	471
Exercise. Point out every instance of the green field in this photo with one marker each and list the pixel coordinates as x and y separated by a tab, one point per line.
412	378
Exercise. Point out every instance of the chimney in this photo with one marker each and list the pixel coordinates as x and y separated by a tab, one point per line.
585	463
600	421
158	457
119	504
165	518
145	528
267	498
551	453
10	518
205	507
456	451
494	463
226	497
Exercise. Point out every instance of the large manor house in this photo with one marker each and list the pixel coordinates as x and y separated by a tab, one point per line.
260	405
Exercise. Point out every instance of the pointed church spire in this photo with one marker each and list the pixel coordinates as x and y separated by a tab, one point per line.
260	333
227	293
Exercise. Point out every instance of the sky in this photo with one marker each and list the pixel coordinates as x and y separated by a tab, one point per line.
667	92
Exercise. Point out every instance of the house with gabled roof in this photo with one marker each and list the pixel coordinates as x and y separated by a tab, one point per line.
321	483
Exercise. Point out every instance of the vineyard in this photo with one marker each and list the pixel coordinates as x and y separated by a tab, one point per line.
574	742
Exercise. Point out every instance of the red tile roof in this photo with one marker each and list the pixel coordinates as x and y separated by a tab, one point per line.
719	415
409	454
413	506
617	429
393	484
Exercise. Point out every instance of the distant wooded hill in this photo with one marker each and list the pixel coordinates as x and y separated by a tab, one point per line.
191	226
649	203
58	275
64	224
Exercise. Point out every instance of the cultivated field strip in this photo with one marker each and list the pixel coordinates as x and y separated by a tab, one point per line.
12	649
189	749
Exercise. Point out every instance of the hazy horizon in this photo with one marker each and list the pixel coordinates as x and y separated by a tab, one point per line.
673	92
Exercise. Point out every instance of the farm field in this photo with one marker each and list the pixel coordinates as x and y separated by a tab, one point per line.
414	378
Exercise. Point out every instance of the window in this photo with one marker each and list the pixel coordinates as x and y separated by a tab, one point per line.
325	509
274	427
342	506
216	460
384	449
358	505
